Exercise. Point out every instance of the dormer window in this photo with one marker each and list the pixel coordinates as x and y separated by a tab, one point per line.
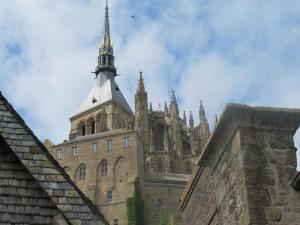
94	100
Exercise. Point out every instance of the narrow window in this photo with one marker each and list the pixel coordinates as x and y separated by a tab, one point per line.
93	127
94	147
82	172
115	222
109	196
109	144
104	169
83	130
74	151
126	142
58	154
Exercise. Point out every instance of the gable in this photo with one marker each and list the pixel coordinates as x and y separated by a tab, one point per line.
74	206
22	199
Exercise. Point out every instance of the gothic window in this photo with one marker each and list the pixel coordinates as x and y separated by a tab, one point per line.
109	196
58	154
82	172
159	137
91	126
187	168
104	169
125	142
82	129
160	168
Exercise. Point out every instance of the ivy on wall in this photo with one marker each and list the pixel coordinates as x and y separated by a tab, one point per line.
135	207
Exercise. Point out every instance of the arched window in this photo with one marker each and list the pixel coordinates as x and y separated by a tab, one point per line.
104	169
91	126
187	168
159	137
160	168
82	129
81	172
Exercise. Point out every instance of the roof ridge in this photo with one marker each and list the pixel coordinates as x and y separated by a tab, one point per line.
31	151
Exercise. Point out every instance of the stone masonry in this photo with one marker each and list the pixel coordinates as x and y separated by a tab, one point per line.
110	147
245	172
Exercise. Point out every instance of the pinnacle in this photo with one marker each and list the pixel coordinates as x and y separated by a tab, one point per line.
141	86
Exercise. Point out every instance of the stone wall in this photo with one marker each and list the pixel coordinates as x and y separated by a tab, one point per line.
161	195
122	169
202	201
251	162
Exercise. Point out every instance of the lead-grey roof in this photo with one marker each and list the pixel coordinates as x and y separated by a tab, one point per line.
73	204
105	92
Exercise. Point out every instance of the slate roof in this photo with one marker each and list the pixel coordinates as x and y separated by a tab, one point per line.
75	207
104	92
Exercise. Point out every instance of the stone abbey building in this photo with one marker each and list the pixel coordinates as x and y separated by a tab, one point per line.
115	155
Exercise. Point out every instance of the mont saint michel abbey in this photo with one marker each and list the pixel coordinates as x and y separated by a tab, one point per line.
150	167
116	156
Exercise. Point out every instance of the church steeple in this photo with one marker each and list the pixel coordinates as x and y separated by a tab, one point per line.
106	53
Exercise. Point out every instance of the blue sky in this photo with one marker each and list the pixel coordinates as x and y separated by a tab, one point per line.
244	51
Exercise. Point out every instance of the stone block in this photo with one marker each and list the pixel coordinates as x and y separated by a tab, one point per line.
274	214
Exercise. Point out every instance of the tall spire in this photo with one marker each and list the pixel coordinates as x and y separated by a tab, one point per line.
174	102
201	111
106	53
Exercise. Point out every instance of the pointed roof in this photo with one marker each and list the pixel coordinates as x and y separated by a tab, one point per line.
75	207
102	93
106	43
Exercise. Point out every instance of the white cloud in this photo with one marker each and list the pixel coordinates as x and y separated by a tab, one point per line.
218	51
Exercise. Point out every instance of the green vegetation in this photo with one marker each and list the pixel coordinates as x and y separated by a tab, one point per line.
135	207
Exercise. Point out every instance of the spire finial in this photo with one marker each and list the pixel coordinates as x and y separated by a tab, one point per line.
174	103
150	107
141	86
106	55
201	111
